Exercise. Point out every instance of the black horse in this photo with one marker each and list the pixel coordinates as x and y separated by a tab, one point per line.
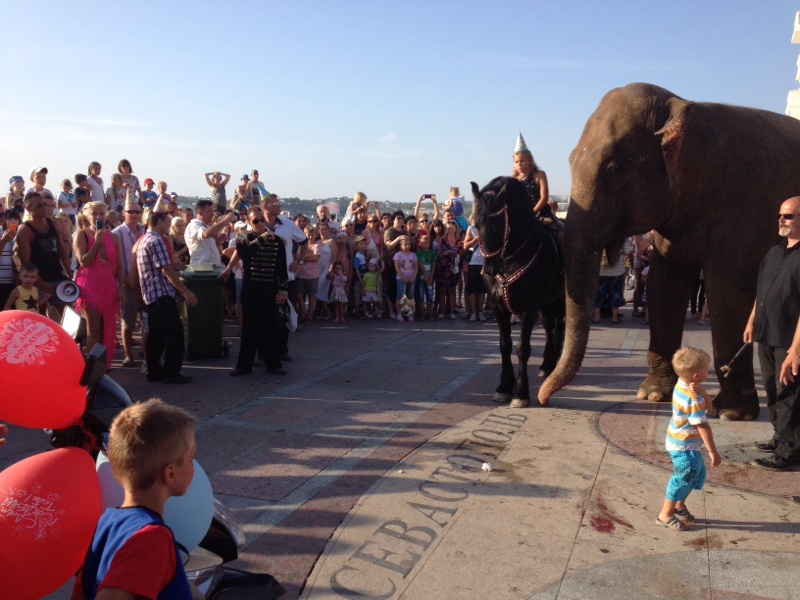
523	270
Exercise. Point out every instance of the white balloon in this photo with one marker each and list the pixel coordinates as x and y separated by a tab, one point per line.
113	492
189	516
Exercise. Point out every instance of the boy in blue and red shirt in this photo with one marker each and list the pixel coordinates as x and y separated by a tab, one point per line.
687	433
134	554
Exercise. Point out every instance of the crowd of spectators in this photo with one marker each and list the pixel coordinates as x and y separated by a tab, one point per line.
125	246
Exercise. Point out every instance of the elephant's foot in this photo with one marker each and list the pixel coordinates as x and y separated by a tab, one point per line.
733	406
655	390
501	398
520	403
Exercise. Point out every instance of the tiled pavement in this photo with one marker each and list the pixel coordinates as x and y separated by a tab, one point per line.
327	466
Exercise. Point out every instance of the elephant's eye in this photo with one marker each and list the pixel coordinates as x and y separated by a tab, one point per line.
614	167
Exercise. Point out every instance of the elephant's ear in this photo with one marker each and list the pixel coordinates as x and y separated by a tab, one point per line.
675	137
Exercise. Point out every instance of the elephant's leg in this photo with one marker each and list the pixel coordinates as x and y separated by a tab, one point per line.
730	301
504	391
554	315
522	397
669	286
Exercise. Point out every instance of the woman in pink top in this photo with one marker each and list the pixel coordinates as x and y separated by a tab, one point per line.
99	255
307	278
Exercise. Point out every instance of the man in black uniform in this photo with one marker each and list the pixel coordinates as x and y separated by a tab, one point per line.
773	322
265	282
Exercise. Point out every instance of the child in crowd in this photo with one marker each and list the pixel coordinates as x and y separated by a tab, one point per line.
456	204
372	299
163	199
115	194
16	193
67	204
426	259
405	264
82	192
359	270
27	296
307	278
149	197
151	450
688	432
339	292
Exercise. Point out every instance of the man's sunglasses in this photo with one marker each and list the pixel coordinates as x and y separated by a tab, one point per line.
788	217
257	221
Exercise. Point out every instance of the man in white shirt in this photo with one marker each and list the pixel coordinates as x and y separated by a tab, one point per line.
201	234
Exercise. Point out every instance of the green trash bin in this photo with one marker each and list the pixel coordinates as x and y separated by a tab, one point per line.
203	323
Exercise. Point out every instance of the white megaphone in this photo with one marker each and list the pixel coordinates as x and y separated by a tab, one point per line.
67	291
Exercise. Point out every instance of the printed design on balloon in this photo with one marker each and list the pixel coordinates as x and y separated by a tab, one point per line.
31	511
27	342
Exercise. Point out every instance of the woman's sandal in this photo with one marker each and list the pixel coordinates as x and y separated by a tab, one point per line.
673	523
684	515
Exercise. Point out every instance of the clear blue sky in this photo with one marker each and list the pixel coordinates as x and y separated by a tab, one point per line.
328	98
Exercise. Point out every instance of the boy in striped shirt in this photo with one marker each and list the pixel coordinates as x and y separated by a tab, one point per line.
687	433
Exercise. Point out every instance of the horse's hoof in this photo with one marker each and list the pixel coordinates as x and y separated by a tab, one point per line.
520	403
501	398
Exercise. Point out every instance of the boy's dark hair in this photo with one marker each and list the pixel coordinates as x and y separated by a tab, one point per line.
157	217
80	178
398	213
203	203
145	438
411	218
28	267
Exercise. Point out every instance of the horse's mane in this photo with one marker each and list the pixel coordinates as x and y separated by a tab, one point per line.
514	196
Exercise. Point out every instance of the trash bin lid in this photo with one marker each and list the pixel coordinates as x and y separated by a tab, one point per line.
201	271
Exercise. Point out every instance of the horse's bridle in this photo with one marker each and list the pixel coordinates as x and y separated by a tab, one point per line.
504	282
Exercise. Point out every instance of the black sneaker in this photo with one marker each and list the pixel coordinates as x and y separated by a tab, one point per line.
768	446
776	463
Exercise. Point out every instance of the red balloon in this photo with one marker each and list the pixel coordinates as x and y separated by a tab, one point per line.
42	368
49	508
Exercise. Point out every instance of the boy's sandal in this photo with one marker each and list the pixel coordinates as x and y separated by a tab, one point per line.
673	523
684	515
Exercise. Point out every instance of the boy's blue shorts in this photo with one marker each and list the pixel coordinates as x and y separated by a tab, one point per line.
689	473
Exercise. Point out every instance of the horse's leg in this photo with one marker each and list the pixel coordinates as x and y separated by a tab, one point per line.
522	396
505	389
554	315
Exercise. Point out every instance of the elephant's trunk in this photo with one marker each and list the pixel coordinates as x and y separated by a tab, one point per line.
582	266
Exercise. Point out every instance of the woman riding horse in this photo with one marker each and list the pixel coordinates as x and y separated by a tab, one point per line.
523	272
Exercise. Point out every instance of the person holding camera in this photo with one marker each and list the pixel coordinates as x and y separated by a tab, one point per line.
100	275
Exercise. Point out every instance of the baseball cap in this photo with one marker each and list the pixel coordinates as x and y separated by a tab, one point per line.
15	178
149	181
38	170
246	176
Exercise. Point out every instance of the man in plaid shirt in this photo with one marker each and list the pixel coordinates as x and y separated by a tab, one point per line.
161	290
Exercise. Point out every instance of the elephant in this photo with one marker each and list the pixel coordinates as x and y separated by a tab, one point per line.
709	179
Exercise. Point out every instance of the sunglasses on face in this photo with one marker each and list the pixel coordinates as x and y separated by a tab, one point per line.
372	221
133	212
785	217
39	205
424	222
257	221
